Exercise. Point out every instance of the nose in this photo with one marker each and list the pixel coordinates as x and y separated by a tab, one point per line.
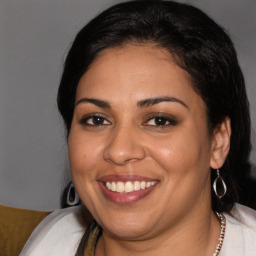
124	146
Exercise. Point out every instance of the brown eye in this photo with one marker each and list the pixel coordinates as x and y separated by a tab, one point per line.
159	121
94	121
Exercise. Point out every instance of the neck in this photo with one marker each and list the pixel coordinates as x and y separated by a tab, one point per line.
197	234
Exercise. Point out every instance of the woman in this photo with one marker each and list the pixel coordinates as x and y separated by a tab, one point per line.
158	130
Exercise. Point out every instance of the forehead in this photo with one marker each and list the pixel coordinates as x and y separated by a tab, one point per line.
135	72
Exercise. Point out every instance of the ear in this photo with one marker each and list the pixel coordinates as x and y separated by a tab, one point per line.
220	144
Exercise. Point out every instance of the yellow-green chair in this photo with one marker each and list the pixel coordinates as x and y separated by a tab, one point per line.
16	225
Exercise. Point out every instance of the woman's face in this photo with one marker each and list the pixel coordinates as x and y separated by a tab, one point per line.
139	144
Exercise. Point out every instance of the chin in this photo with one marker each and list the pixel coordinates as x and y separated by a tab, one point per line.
127	231
128	226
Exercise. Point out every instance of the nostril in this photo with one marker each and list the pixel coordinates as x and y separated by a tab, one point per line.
121	155
124	146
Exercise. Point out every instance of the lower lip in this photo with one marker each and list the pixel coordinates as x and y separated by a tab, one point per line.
126	198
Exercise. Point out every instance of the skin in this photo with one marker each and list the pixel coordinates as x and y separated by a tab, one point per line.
128	141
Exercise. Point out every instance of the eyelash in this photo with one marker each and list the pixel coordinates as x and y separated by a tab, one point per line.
167	121
85	120
91	120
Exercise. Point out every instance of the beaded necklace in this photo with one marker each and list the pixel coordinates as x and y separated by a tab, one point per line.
222	233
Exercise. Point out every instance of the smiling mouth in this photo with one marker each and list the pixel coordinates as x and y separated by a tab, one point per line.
128	186
126	189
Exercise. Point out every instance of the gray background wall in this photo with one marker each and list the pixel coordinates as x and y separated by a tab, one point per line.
35	36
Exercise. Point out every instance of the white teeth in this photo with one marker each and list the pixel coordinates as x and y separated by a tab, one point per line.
113	186
142	184
136	186
129	186
148	184
120	187
108	185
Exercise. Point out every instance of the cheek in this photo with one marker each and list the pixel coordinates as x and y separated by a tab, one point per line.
83	153
83	156
182	152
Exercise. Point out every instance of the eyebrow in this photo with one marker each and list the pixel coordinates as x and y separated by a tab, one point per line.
152	101
141	104
97	102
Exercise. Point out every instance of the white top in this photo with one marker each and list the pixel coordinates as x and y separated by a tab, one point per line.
240	235
61	231
58	234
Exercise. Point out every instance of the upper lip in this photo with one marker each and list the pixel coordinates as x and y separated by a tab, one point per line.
123	178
